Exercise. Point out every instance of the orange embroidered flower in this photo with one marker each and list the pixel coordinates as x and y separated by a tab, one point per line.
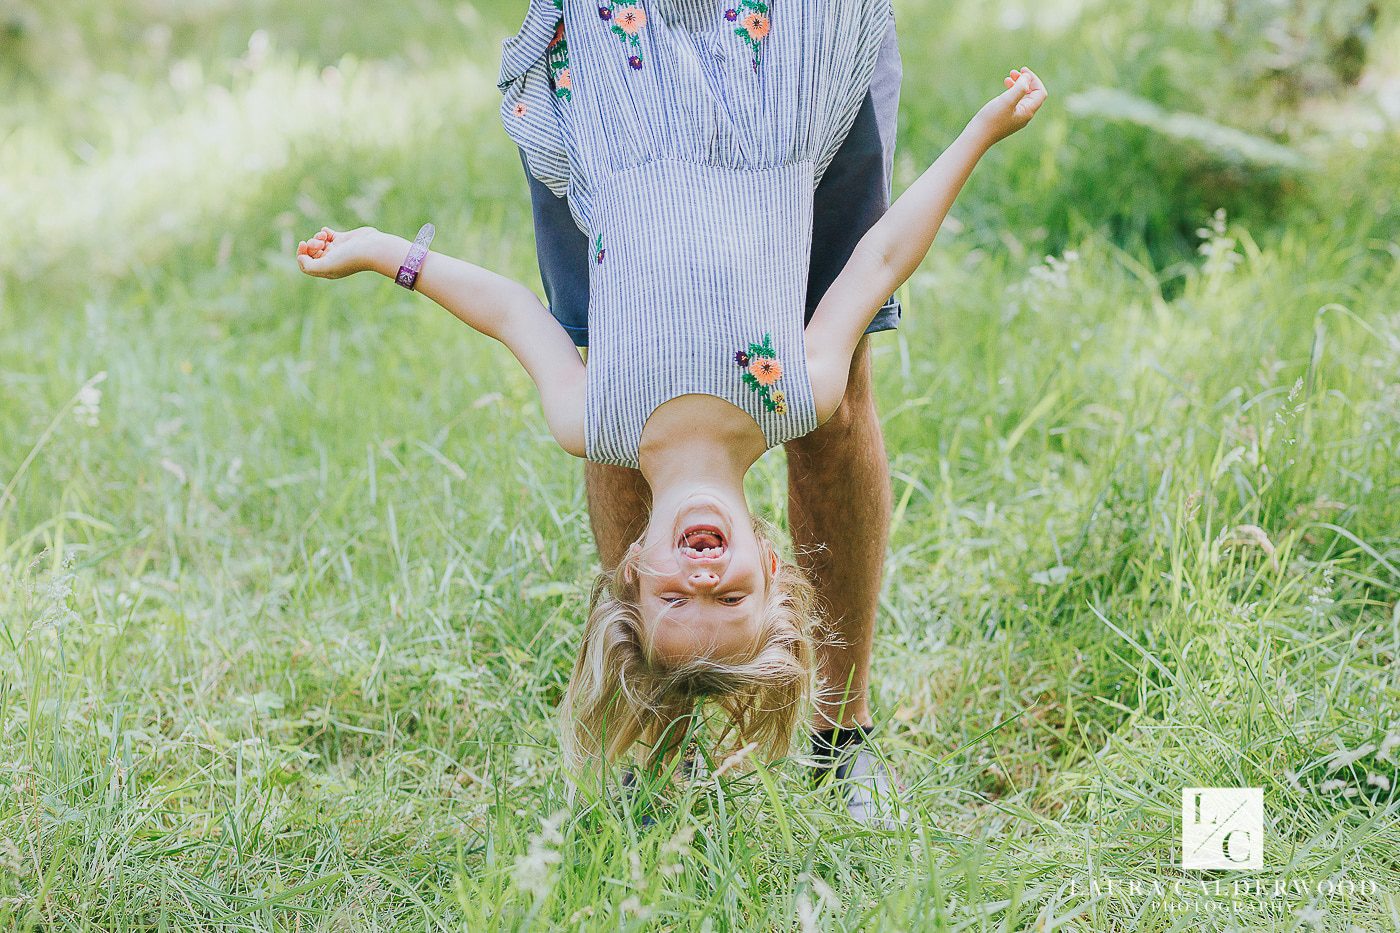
520	109
630	18
766	370
562	79
756	24
558	33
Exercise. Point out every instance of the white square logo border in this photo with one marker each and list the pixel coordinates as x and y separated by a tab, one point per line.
1222	827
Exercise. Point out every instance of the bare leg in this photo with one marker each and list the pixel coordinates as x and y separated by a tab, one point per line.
619	501
839	503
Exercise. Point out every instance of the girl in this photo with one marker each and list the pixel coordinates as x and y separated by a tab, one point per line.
689	136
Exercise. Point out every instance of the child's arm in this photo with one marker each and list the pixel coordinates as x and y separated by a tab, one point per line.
493	304
893	248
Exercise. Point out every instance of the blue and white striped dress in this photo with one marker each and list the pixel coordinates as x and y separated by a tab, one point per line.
688	137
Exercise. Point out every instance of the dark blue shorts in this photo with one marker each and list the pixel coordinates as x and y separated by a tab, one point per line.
853	194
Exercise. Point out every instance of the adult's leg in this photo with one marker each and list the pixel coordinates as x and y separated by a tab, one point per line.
839	504
619	501
838	478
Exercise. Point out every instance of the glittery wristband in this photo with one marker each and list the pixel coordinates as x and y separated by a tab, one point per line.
408	272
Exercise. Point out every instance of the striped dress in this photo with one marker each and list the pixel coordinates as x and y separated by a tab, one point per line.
688	137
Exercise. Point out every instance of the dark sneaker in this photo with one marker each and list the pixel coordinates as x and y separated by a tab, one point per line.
846	761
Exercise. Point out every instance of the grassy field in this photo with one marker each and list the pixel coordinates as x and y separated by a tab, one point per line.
291	573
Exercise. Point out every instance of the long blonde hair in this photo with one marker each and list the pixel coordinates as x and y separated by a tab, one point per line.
619	696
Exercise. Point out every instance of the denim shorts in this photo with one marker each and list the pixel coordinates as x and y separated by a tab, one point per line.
852	195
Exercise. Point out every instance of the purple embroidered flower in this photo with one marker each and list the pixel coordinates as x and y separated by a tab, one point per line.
605	12
741	358
636	62
731	15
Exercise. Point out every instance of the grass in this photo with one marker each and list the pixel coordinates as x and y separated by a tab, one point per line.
288	596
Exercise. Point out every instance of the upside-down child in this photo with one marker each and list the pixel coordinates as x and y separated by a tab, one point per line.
691	170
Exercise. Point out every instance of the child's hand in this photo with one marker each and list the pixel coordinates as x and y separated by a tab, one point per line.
1012	109
334	255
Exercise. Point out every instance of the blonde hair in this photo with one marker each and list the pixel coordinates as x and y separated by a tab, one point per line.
618	695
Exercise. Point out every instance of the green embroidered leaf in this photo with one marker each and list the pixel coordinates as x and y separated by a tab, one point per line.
742	32
752	382
769	403
756	349
619	30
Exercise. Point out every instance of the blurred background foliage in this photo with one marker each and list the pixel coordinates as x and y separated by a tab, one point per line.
1165	112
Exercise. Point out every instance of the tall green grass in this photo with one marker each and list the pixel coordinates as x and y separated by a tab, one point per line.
291	573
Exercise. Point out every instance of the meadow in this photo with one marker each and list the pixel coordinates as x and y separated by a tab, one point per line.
291	573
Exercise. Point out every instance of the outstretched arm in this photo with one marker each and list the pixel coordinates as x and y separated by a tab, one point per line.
493	304
892	249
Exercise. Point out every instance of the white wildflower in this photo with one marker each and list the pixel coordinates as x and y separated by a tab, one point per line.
1289	412
1378	780
674	852
809	913
1389	744
734	760
57	613
806	914
1342	758
88	406
1219	249
1311	914
1050	276
11	861
1332	786
1320	596
534	871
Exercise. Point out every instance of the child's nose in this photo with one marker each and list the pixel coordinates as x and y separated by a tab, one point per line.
704	579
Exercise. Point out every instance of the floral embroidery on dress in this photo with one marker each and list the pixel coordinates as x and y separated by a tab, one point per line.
599	251
625	22
519	109
560	78
754	24
761	369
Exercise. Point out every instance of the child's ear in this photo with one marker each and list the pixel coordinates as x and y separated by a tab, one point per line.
774	554
629	562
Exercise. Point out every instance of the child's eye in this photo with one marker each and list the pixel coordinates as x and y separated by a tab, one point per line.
733	600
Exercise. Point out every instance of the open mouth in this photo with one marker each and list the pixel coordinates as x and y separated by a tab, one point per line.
702	542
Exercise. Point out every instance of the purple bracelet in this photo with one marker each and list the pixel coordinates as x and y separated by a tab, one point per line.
408	272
